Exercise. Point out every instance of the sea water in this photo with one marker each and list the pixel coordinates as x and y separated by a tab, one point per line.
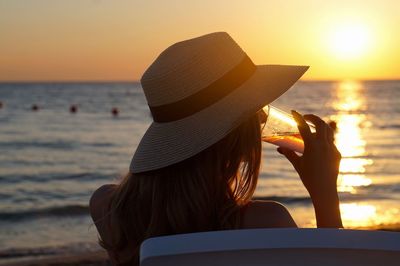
51	160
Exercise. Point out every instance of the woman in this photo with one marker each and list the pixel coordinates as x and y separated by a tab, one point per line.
196	167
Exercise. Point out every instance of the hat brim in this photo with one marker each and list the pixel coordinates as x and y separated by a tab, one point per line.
164	144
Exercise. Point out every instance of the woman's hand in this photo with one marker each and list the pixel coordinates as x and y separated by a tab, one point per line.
318	168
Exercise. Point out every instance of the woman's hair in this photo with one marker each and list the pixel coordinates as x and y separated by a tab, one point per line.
202	193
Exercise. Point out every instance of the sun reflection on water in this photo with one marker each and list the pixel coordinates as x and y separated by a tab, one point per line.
351	120
358	215
368	215
349	97
352	123
350	105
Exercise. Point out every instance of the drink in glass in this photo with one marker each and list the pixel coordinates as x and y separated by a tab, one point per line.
281	130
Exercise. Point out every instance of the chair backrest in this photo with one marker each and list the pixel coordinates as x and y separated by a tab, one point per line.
274	247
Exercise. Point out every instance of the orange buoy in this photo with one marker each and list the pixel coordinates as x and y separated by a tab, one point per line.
115	111
73	108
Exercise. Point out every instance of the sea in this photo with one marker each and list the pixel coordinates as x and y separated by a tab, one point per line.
51	159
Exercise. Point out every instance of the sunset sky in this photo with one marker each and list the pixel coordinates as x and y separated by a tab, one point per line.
47	40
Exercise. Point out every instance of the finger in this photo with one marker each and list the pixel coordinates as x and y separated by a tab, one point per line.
320	126
290	155
303	127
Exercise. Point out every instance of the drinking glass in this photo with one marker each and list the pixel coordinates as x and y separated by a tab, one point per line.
280	129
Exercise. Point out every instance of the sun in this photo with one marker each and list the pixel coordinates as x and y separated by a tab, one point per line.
349	41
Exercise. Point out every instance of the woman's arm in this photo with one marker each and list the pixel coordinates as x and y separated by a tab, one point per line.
318	169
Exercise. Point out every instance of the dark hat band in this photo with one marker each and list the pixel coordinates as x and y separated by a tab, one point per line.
206	96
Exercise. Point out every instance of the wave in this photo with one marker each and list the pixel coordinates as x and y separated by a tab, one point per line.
23	252
58	144
376	192
80	210
384	189
288	200
393	126
69	210
12	179
64	145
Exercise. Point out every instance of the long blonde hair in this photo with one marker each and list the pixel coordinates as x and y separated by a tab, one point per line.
202	193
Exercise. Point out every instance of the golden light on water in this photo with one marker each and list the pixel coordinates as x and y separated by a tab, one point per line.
358	215
351	121
350	181
367	214
349	96
354	165
352	124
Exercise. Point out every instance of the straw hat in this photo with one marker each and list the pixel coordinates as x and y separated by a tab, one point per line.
199	90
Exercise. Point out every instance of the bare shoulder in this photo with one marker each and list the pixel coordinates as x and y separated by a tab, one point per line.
99	199
98	205
267	214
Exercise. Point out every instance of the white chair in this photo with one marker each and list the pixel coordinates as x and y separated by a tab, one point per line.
274	247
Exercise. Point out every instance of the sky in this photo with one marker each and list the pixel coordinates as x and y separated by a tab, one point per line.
108	40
